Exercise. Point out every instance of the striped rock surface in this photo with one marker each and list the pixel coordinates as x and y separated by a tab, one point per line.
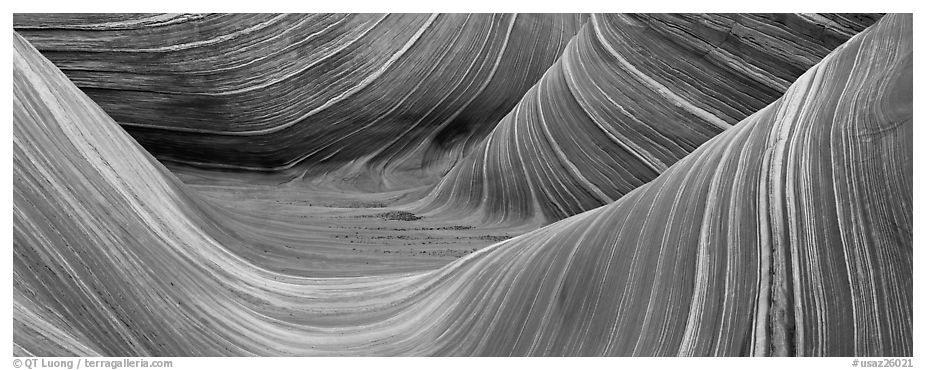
267	91
787	234
630	96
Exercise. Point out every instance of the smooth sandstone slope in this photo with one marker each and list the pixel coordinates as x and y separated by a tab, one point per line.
631	95
788	234
265	92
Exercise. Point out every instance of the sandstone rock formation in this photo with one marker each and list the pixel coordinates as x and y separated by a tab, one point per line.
266	91
630	96
787	233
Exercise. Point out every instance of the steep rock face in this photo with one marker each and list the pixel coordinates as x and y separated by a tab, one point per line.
630	96
788	234
266	91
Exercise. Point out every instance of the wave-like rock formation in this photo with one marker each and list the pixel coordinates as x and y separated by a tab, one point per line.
267	91
786	234
630	96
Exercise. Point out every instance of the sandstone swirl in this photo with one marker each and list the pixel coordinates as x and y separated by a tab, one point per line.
266	91
630	96
787	234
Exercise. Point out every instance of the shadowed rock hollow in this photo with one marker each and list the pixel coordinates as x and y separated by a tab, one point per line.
268	91
400	92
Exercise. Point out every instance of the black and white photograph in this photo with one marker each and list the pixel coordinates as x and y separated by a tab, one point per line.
314	184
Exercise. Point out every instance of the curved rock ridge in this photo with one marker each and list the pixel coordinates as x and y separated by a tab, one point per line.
267	91
787	234
630	96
